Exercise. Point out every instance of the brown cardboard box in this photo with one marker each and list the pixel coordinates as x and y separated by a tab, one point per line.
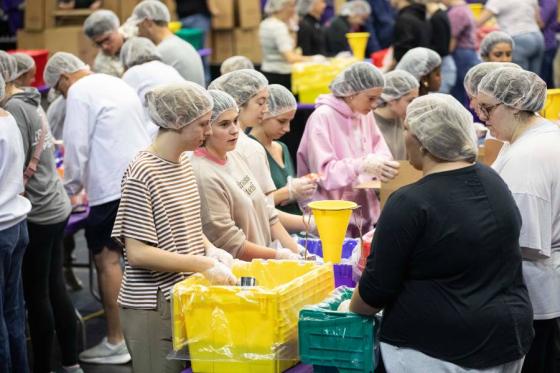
247	44
60	39
225	20
338	5
222	45
34	15
248	13
407	175
125	11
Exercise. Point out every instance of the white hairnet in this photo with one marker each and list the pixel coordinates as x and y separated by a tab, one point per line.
443	126
356	78
397	84
419	62
355	7
101	22
516	88
138	50
280	101
222	103
153	10
240	84
236	63
477	72
492	39
8	67
61	63
177	105
304	6
24	63
273	6
2	87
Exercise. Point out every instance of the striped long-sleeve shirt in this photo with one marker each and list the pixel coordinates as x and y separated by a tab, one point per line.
160	206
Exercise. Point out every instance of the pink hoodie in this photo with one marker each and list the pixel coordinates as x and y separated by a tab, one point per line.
333	145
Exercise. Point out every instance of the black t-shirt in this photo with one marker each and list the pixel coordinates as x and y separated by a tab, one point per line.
335	35
311	36
446	266
411	30
187	8
441	32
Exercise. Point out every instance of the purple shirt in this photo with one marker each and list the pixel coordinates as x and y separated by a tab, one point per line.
549	11
462	26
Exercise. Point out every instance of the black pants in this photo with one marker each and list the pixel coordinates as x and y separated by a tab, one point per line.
543	355
48	304
282	79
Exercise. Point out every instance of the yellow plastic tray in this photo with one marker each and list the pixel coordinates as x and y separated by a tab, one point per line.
247	329
551	108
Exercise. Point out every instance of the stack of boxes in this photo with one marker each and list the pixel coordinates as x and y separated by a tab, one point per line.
48	27
235	31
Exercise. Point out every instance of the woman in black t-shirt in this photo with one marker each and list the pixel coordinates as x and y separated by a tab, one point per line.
446	262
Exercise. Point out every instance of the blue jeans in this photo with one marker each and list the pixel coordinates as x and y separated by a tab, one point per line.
448	74
13	351
547	67
464	59
202	22
529	51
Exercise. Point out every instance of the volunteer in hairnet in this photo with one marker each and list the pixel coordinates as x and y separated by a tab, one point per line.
509	100
353	15
151	17
401	88
311	34
425	65
13	241
144	71
236	215
235	63
26	70
290	190
343	145
159	224
103	130
459	249
49	307
497	46
102	27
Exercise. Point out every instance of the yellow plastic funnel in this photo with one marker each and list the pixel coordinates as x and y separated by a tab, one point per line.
358	42
332	218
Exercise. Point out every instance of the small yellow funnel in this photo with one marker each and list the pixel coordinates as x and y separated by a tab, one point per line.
332	218
358	42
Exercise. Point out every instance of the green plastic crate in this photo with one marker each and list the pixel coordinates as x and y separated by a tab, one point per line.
336	341
194	36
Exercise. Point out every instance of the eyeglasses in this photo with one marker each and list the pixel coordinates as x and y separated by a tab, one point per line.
488	109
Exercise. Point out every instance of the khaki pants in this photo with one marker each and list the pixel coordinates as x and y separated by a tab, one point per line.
148	338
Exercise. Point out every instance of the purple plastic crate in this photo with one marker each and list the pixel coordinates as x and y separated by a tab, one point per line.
342	272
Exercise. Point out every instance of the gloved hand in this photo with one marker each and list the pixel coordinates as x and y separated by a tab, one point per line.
344	306
220	274
287	254
301	187
318	58
379	167
220	255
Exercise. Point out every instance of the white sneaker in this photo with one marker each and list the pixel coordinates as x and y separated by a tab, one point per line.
106	353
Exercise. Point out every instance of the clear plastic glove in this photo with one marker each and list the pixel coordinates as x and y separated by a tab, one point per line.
480	130
286	254
220	255
379	167
344	306
344	54
301	188
220	274
318	58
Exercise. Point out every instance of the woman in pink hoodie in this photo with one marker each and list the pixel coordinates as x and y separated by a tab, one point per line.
343	144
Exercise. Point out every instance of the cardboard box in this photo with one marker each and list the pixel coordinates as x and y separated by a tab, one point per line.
222	45
248	13
225	20
34	15
247	44
60	39
407	175
338	5
126	8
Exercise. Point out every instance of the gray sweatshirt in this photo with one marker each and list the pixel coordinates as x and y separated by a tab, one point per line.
49	201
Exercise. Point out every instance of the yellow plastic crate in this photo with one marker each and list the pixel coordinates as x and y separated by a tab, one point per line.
312	79
247	329
551	109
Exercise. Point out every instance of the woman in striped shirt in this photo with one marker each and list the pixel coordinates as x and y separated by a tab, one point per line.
159	223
